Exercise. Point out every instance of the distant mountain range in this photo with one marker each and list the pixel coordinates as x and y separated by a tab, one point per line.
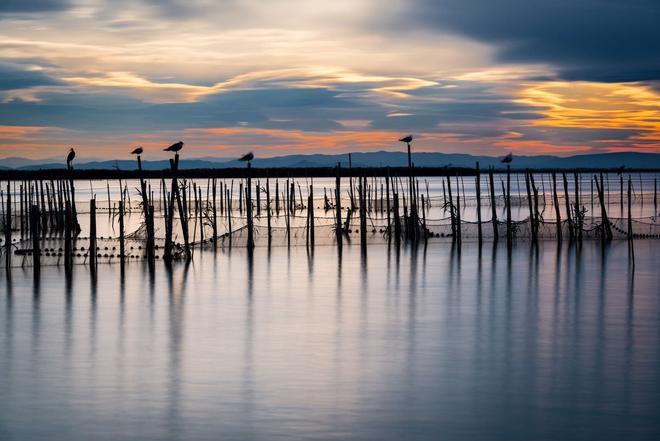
369	159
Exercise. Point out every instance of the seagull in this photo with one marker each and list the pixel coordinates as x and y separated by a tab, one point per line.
507	159
174	147
70	156
407	139
249	157
138	151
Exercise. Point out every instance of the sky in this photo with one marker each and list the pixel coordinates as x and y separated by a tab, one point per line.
314	76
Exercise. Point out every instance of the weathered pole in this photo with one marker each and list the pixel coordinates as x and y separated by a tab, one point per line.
493	206
478	190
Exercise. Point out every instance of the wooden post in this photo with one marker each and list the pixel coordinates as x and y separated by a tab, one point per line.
458	210
310	210
68	226
250	221
452	213
493	205
277	197
363	212
8	226
387	198
631	234
578	211
478	190
338	233
555	200
34	228
532	227
605	225
509	230
122	244
268	212
92	232
571	232
215	215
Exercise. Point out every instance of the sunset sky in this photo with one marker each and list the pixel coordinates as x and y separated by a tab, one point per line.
314	76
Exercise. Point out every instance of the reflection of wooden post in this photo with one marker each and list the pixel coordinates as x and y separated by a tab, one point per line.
338	233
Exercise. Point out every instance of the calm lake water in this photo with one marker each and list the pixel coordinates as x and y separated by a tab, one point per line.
427	343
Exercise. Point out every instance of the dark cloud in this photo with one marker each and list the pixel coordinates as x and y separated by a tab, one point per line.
29	6
18	77
599	40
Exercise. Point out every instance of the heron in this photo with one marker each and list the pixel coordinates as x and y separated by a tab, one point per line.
174	147
507	159
247	158
70	156
138	151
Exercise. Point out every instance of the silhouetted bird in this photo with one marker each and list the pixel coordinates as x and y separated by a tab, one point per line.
620	170
507	159
407	139
247	158
69	157
137	151
174	147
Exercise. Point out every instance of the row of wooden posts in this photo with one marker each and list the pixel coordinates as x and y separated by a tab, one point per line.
51	206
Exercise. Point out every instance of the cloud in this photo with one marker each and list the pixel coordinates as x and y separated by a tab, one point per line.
597	40
14	76
29	6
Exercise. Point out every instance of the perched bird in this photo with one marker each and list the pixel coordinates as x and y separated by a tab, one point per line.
620	170
137	151
507	159
247	158
69	157
174	147
407	139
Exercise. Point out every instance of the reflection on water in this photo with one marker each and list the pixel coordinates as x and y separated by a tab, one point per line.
556	342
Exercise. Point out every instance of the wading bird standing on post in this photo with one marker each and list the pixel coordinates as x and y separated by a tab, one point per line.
69	157
507	159
174	147
138	151
247	158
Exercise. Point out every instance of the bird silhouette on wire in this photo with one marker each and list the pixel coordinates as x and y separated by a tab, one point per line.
70	157
247	158
137	151
406	139
507	159
174	147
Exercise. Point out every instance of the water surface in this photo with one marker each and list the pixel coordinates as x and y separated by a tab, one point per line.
437	342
